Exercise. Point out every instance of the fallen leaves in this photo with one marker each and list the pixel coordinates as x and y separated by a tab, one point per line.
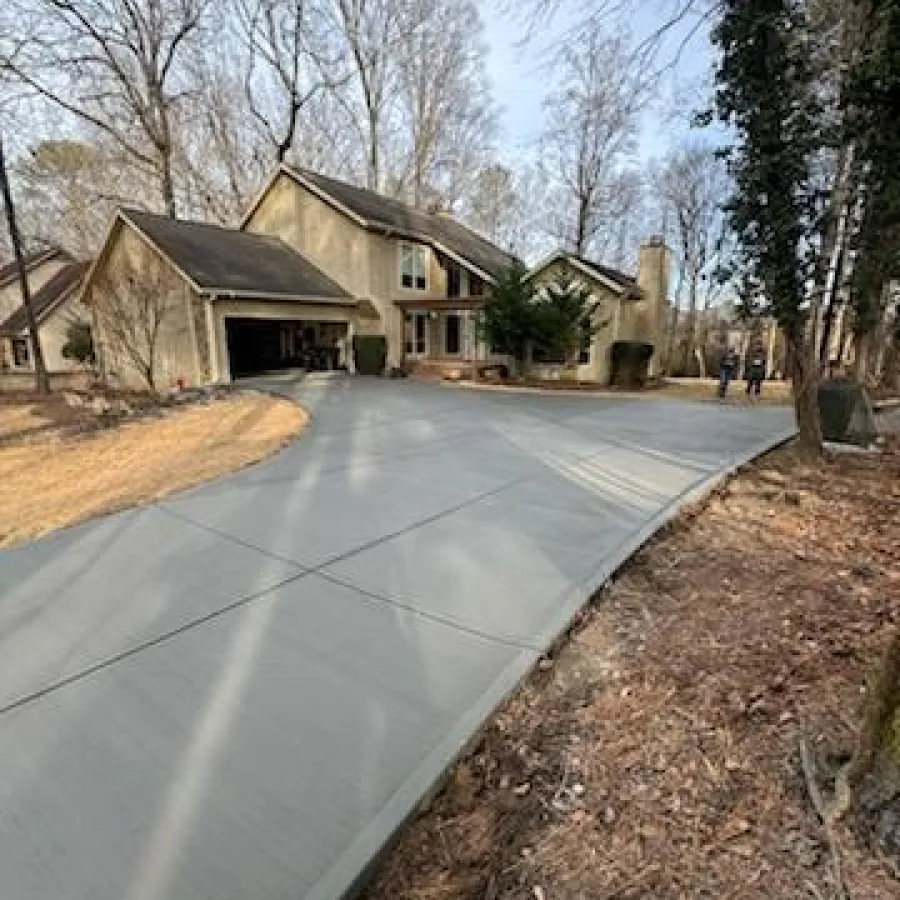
659	745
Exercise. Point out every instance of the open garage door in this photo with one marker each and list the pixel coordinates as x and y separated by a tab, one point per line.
263	345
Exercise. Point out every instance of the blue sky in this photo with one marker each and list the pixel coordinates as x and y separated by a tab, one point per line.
521	77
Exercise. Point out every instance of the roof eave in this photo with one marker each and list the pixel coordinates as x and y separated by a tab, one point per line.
219	293
568	259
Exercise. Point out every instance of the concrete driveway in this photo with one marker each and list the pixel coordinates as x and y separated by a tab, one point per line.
242	691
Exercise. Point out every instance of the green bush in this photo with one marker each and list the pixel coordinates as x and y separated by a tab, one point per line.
370	353
79	343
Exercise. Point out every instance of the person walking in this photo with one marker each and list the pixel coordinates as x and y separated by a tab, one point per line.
727	368
756	373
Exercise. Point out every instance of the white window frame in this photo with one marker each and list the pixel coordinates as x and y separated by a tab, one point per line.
421	253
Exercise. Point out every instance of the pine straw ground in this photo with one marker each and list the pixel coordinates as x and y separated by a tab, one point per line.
655	754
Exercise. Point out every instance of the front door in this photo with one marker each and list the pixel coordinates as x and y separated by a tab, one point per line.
452	334
416	325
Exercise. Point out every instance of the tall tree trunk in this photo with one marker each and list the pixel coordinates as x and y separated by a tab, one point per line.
374	156
806	401
690	325
861	366
167	182
868	784
581	225
41	379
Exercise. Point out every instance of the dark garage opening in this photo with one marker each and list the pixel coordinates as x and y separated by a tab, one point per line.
260	345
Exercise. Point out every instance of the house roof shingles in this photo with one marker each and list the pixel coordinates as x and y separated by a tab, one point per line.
620	278
61	285
9	272
387	214
227	261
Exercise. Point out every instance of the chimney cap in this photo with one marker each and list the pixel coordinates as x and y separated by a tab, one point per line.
655	240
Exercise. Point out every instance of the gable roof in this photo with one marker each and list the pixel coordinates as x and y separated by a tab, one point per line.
58	289
615	280
217	260
385	215
10	271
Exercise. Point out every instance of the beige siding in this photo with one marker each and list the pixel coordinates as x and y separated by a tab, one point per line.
130	257
326	237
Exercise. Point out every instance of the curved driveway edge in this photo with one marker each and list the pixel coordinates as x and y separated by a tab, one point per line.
244	691
350	873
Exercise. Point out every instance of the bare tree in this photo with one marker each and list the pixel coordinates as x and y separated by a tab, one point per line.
293	55
131	310
62	194
41	380
693	185
221	158
113	64
447	121
493	203
591	131
371	30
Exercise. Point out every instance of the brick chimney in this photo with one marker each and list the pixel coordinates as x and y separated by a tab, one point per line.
654	270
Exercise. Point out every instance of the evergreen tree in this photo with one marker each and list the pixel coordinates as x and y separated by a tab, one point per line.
565	316
507	319
765	92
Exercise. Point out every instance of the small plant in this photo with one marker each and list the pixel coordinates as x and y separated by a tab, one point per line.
79	344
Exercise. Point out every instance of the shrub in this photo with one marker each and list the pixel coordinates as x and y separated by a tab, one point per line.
370	353
79	343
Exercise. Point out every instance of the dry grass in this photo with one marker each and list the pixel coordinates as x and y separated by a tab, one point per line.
774	393
655	755
51	480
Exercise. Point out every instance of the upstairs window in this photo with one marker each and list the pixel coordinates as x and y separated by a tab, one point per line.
454	280
476	286
414	259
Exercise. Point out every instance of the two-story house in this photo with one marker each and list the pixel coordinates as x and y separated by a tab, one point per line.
314	262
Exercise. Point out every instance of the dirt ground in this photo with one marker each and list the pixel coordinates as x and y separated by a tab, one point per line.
654	754
776	393
60	464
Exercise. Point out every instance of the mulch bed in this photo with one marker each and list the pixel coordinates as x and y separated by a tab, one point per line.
655	754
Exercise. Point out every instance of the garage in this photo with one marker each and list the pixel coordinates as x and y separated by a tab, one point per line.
257	345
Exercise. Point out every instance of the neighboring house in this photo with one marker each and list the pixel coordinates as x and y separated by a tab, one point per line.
315	262
628	309
54	282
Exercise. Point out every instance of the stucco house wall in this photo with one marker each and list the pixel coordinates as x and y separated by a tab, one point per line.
130	265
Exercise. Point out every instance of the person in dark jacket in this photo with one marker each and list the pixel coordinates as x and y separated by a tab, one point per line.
756	373
727	369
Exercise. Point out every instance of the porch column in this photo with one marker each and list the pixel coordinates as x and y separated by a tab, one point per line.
212	341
